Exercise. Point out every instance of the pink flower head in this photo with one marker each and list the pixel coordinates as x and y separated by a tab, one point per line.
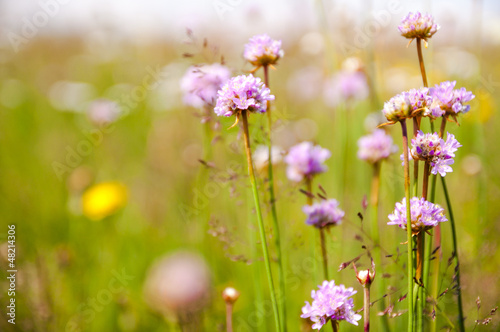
201	83
424	215
242	93
376	147
416	25
331	302
261	50
324	213
306	160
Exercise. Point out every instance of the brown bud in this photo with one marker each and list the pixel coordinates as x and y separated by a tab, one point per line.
230	295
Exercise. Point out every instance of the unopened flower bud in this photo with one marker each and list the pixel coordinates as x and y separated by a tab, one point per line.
230	295
365	277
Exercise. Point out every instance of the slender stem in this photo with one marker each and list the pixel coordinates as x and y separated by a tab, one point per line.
416	127
374	201
408	226
229	317
309	190
315	240
367	307
443	126
421	62
335	326
455	249
420	254
324	252
259	219
274	214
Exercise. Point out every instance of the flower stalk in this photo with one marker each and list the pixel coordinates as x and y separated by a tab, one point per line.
274	214
263	239
408	227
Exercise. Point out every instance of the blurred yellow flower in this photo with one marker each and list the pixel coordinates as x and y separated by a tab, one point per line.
104	199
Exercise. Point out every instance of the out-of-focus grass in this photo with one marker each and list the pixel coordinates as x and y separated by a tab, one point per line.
64	258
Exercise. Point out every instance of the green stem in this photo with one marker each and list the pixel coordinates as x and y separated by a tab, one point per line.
461	326
315	240
324	253
274	214
374	201
259	219
408	226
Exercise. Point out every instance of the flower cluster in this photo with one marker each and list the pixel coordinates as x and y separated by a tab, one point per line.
441	100
449	101
433	149
424	215
331	302
201	83
261	50
416	25
324	214
242	93
375	147
306	160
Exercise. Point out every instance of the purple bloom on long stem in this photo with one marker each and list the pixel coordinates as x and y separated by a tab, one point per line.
449	101
376	146
416	25
433	149
306	160
242	93
262	50
331	302
424	215
201	83
324	213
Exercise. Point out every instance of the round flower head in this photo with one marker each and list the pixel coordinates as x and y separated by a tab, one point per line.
433	149
375	147
398	108
331	302
420	101
242	93
416	25
324	214
346	85
261	50
424	215
305	160
448	101
201	83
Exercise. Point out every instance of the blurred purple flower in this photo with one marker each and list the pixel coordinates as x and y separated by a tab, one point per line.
433	149
449	101
375	147
306	160
201	83
331	302
346	85
261	50
324	213
242	93
416	25
424	215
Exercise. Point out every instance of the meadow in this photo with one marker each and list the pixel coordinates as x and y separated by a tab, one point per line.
177	181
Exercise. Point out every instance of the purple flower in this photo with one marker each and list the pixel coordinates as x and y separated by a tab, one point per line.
242	93
331	302
201	83
398	107
261	50
424	215
306	160
375	147
346	85
433	149
324	213
449	101
418	26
